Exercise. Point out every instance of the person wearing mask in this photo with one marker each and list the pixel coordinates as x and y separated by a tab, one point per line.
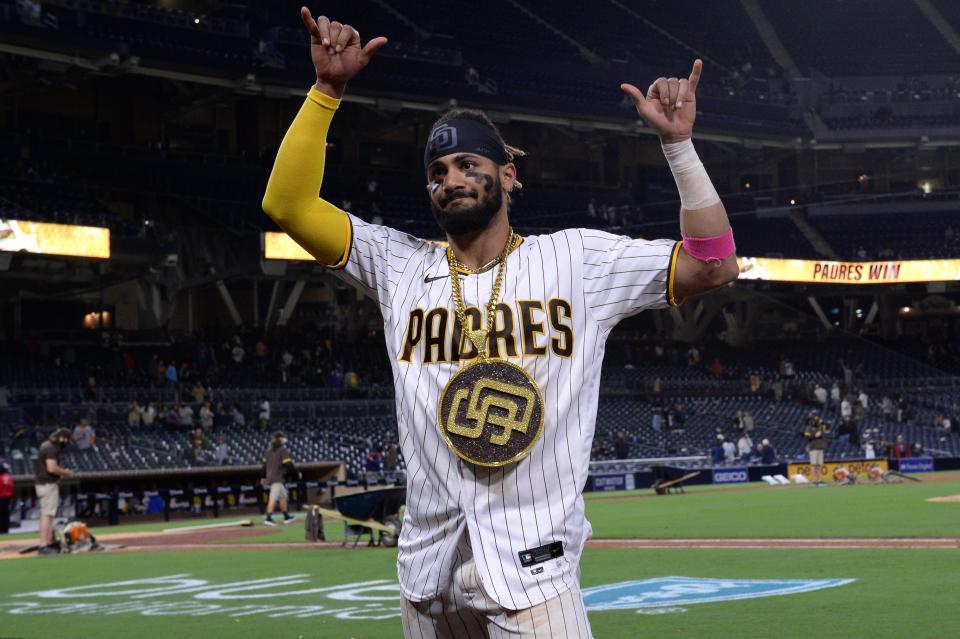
48	474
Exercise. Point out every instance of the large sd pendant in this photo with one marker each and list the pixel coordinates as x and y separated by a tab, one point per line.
491	413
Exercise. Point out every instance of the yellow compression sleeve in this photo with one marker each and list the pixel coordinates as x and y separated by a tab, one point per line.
292	197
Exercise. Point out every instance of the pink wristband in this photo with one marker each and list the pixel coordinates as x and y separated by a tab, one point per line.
710	249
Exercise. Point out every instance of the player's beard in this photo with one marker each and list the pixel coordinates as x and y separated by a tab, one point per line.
471	220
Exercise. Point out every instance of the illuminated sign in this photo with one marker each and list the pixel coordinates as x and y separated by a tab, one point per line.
280	246
54	239
828	272
858	467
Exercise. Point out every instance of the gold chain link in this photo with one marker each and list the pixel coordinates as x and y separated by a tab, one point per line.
454	264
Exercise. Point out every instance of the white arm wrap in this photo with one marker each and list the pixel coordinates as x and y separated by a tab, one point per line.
693	183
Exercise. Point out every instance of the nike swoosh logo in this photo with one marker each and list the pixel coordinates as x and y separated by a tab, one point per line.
429	279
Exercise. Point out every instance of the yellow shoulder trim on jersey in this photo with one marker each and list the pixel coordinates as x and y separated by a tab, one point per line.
671	275
346	250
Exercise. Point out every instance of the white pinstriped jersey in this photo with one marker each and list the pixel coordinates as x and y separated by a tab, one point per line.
562	294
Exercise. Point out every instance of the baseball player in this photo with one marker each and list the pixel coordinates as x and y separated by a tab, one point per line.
496	343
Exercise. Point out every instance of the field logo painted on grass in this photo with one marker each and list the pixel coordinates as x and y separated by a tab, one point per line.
677	591
183	595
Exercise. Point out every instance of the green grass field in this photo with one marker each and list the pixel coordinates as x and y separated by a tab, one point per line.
895	593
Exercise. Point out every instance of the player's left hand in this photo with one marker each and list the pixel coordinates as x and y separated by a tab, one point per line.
670	106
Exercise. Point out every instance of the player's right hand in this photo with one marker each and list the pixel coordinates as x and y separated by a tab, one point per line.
336	52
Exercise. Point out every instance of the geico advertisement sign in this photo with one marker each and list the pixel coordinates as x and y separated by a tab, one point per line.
730	475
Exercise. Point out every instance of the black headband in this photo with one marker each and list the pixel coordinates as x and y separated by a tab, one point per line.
461	135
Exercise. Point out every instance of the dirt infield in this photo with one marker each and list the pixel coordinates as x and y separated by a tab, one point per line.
186	537
174	540
217	540
852	542
949	499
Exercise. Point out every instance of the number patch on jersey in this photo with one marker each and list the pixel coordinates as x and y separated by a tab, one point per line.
491	413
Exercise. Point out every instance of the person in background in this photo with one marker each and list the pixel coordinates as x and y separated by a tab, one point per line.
747	422
621	447
716	451
206	416
768	454
656	421
729	451
20	439
185	416
199	393
171	374
816	444
744	446
196	445
84	436
820	395
264	414
134	414
48	474
846	409
374	464
6	497
149	415
277	462
239	420
901	449
886	406
390	455
221	454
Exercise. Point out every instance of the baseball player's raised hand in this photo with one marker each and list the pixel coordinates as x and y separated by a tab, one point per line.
670	106
336	52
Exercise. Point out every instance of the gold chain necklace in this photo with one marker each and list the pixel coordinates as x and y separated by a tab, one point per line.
491	411
478	337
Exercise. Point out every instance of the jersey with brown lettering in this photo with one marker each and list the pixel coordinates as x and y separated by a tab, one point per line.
561	295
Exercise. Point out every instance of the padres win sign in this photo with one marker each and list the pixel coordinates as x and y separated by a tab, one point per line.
491	413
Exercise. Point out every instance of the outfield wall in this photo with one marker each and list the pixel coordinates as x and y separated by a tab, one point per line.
616	481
